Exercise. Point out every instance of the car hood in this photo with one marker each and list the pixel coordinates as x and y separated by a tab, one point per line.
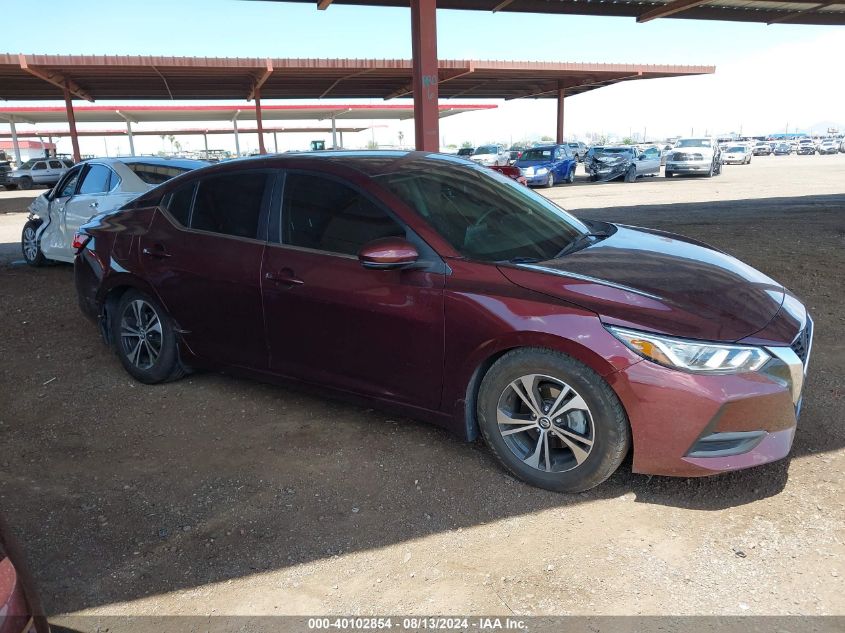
660	282
534	163
483	156
612	159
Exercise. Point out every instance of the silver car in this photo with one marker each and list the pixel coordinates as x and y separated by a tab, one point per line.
37	171
99	185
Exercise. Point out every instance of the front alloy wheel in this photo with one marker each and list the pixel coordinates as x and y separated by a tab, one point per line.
551	420
545	423
31	244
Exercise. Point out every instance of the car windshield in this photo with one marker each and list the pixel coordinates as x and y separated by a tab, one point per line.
693	142
465	151
486	149
536	154
575	145
28	164
736	148
612	150
156	174
482	214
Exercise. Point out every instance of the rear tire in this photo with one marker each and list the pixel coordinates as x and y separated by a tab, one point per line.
581	443
31	244
143	336
25	183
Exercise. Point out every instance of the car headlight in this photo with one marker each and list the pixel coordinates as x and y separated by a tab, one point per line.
695	356
542	171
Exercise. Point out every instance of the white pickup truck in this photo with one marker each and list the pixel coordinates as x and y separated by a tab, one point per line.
694	156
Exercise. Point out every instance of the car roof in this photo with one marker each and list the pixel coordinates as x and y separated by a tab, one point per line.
185	163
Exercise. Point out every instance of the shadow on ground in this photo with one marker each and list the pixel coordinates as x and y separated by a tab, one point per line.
121	490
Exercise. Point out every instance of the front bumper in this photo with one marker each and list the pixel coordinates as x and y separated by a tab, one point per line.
536	179
688	167
692	425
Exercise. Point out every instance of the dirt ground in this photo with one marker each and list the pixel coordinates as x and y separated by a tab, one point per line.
216	495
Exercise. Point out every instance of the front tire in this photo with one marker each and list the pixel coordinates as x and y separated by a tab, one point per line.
551	181
25	183
570	177
552	421
144	338
668	174
631	174
31	244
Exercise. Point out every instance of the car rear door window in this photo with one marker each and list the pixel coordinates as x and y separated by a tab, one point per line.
231	203
96	180
178	203
54	164
324	214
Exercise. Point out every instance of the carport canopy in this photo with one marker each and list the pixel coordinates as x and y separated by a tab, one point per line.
43	77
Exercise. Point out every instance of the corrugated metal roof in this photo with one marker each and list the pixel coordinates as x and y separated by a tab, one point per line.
807	11
36	77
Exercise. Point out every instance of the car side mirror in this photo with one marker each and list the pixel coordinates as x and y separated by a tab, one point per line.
388	253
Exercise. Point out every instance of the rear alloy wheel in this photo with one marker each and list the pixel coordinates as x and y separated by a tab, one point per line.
631	174
552	421
551	181
25	183
31	244
144	338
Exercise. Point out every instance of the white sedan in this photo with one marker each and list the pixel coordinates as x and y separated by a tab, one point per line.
736	155
99	185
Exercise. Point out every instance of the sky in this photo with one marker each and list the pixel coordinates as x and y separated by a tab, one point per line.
768	78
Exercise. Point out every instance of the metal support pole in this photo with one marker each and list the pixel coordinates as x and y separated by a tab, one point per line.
334	134
235	127
341	139
205	140
15	145
259	122
560	95
275	143
425	78
131	139
71	121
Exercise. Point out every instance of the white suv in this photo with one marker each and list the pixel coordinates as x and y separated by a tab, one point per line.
694	156
37	171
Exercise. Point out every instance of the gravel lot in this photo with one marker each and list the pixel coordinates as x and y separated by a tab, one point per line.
216	495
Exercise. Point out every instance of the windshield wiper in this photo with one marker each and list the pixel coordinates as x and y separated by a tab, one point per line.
580	242
522	260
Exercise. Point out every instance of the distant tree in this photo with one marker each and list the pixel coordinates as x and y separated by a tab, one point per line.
372	145
627	141
546	138
466	144
401	137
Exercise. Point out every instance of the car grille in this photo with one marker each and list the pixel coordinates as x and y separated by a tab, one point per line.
803	342
680	156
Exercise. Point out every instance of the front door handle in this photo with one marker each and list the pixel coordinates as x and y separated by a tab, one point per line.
285	277
94	204
156	251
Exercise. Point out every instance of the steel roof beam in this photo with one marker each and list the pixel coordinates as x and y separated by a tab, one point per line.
797	14
54	78
265	75
670	8
449	76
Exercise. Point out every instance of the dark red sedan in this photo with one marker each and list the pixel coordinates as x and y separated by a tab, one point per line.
453	294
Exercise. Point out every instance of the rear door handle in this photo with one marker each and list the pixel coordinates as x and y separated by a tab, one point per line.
284	278
157	251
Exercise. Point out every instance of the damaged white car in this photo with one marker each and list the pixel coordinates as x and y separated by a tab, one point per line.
96	186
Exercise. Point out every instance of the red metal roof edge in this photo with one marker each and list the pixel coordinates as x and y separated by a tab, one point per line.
253	63
223	108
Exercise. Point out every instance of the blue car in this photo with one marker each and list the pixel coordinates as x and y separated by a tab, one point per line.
547	165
